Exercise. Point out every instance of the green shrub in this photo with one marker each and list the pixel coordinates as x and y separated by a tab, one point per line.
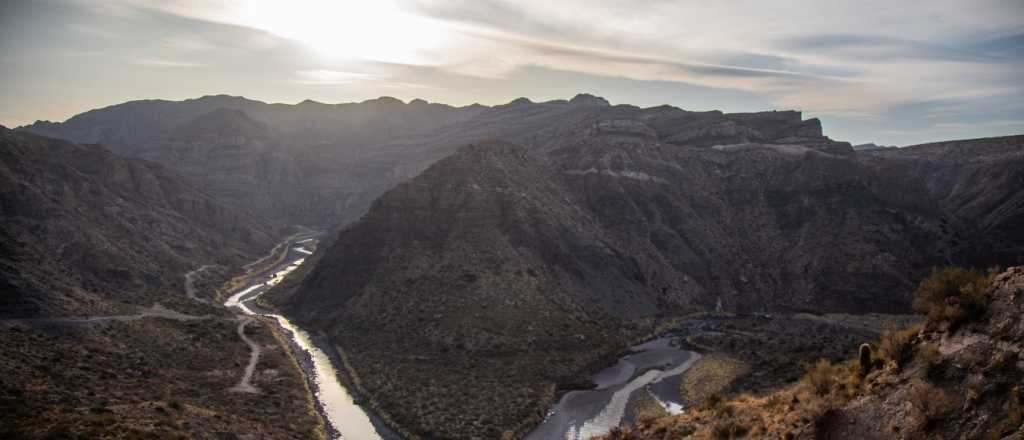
953	295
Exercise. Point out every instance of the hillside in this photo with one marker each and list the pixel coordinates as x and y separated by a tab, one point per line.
503	272
108	324
957	376
85	230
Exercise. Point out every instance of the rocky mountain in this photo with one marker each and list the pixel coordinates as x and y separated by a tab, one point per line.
85	230
320	164
504	270
309	163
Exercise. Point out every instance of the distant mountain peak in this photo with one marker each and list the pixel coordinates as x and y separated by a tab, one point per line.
223	124
520	101
588	99
385	100
224	100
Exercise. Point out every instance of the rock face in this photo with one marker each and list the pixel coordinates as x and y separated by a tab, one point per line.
320	164
574	241
84	230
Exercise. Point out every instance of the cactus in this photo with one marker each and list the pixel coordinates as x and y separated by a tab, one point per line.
865	361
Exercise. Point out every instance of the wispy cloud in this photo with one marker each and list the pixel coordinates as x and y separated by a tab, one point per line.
1017	125
188	43
159	62
324	77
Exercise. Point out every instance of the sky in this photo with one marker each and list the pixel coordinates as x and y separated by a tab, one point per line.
889	72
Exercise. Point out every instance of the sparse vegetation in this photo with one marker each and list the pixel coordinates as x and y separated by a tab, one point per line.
822	376
930	402
896	347
710	375
968	389
953	295
134	388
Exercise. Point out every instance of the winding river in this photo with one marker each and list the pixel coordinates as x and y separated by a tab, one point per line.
649	370
653	368
345	419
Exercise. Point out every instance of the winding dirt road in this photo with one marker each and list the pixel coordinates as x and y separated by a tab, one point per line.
245	385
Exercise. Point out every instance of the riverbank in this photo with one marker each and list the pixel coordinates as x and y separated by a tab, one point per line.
342	416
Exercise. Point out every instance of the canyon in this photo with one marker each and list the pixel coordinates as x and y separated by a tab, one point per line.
481	262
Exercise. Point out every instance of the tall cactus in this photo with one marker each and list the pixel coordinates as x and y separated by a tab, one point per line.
865	359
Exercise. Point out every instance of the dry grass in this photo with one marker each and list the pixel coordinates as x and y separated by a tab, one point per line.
822	376
709	375
645	408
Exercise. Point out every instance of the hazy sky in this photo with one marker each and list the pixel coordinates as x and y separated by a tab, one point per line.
893	72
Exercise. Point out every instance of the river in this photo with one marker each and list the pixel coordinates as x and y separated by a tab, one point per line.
345	419
652	368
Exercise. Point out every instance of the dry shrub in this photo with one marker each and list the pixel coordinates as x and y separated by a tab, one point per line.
953	295
930	401
822	376
714	402
896	345
728	430
929	356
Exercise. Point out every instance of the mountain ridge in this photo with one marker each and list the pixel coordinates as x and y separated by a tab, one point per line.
323	164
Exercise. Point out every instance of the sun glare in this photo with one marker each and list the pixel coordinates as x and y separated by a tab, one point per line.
377	30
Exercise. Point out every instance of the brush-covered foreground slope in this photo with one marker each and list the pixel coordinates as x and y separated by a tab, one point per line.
84	230
931	381
503	271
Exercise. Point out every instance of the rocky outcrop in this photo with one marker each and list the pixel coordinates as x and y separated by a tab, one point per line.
85	230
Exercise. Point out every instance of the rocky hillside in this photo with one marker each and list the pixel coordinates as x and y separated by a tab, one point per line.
309	163
581	239
320	164
957	376
85	230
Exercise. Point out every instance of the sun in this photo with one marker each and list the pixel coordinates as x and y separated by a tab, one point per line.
372	30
